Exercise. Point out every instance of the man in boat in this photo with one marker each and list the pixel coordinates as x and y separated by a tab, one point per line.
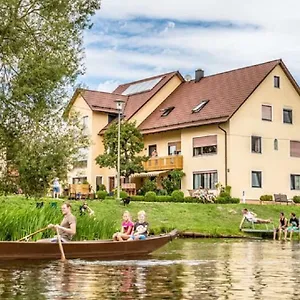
67	227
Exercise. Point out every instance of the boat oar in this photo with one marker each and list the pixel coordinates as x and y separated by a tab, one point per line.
63	257
30	235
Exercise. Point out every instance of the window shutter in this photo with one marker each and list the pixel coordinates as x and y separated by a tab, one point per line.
266	111
295	148
204	141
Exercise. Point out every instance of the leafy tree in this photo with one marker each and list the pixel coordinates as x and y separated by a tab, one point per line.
173	181
40	59
131	144
43	151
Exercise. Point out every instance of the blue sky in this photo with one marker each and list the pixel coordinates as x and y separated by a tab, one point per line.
134	39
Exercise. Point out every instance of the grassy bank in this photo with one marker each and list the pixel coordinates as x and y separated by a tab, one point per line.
19	217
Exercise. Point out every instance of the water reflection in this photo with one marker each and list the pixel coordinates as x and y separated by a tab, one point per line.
185	269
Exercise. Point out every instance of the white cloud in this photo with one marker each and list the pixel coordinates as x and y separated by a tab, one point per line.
108	86
150	42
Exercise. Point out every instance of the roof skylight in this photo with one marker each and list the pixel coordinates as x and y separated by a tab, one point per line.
141	86
166	111
199	106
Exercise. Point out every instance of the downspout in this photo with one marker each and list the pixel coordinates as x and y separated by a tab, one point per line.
225	132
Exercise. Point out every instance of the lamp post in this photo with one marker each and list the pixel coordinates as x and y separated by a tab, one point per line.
119	104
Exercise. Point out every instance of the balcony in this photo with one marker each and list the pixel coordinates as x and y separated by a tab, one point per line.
164	163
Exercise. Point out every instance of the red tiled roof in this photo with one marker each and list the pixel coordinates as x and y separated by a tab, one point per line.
226	92
101	101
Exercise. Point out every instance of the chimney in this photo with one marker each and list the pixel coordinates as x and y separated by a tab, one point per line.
199	73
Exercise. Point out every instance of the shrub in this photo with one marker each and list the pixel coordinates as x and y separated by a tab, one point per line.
177	196
164	199
137	198
224	194
123	195
150	197
190	199
296	199
162	192
172	181
266	198
149	186
101	194
235	200
226	200
101	187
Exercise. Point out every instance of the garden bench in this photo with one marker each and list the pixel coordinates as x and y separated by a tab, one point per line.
282	198
79	191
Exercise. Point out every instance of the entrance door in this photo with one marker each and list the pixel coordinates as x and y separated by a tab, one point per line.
98	182
111	183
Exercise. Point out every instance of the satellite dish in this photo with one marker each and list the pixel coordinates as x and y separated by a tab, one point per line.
188	77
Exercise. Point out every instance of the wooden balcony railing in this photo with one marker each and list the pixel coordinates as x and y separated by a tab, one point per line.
164	163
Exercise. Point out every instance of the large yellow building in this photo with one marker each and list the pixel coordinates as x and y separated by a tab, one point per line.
240	128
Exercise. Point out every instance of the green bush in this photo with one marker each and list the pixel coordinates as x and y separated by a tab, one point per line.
150	197
137	198
235	200
226	200
149	186
296	199
162	192
266	198
101	187
123	195
177	196
101	194
190	199
164	199
224	194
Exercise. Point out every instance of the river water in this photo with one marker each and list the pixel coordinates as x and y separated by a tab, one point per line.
184	269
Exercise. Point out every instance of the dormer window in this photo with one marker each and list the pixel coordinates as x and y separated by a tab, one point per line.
199	106
166	111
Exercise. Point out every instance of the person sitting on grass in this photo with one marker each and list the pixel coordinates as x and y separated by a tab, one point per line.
84	208
293	225
252	217
140	229
126	230
282	225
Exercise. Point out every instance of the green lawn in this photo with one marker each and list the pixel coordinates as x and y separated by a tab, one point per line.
210	219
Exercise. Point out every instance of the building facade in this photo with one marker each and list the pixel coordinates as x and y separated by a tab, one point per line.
239	128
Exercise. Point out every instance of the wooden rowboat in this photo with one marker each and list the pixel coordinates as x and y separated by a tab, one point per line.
102	249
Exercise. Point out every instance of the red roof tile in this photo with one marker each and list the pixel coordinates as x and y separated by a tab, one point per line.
226	92
101	101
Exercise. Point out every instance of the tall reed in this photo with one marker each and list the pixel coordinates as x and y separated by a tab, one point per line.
20	219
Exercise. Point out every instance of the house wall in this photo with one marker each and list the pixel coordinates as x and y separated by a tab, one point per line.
96	121
161	141
81	107
276	165
190	163
156	100
100	120
204	162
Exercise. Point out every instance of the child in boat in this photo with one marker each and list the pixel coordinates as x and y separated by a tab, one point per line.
126	230
140	229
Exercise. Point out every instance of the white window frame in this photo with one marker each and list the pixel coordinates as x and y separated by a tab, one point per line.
261	183
268	104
